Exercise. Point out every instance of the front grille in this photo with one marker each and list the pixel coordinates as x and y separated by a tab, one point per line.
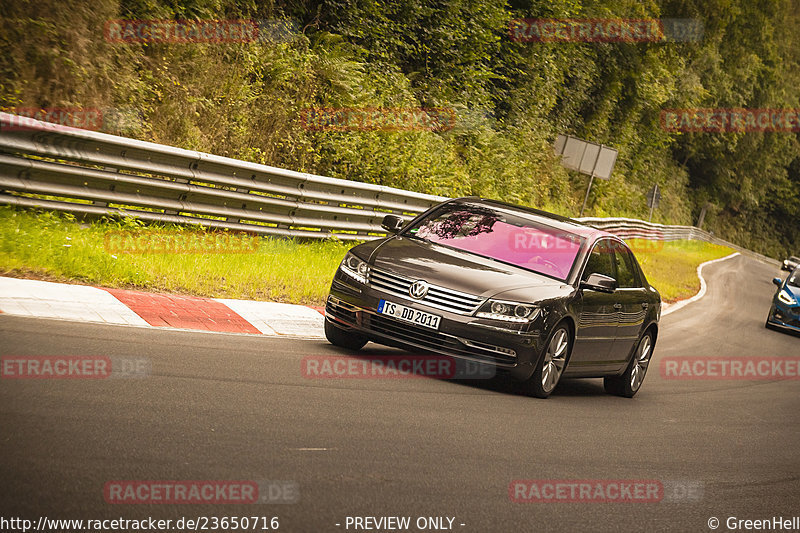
433	340
790	320
419	336
437	297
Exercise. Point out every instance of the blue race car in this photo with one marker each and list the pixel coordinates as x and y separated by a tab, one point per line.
785	310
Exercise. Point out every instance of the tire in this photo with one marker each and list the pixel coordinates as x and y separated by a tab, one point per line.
629	383
343	338
551	364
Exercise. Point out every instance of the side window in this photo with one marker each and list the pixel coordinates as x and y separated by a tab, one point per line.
601	260
625	268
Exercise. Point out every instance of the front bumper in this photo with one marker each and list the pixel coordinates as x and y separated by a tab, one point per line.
785	316
354	306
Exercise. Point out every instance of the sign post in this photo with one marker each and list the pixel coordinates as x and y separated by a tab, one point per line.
653	199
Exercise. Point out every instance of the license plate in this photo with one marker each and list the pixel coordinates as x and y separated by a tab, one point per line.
407	314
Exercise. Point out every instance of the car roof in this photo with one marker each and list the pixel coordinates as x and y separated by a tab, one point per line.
550	219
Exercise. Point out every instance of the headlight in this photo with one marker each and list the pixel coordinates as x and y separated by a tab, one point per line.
786	298
508	311
355	268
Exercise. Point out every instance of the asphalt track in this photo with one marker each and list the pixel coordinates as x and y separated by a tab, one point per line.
236	407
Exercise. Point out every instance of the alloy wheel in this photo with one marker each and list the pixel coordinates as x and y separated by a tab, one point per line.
641	363
554	359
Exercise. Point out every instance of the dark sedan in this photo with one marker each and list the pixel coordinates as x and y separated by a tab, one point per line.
531	293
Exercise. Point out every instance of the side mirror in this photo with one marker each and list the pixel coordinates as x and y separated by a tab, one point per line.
392	223
599	282
777	281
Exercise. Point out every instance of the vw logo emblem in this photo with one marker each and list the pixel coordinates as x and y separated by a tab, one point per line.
418	289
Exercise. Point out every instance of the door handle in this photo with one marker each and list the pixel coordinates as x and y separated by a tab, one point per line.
617	306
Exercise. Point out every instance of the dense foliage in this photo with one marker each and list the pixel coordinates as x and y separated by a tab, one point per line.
511	98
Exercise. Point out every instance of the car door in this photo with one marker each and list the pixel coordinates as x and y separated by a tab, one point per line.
598	320
632	296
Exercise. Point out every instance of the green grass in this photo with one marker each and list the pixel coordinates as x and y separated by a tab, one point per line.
57	247
672	269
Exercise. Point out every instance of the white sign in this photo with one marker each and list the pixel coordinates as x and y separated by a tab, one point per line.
586	157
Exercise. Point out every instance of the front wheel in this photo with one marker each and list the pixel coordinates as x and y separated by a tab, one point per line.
551	364
343	338
628	384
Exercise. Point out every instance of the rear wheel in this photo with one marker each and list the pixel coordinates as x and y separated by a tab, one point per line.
551	364
343	338
628	384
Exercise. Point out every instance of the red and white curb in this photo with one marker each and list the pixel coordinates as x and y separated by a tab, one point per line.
44	299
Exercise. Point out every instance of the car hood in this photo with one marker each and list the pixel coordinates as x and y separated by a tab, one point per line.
462	271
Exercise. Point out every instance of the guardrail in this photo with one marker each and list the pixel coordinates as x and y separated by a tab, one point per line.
631	228
93	173
90	173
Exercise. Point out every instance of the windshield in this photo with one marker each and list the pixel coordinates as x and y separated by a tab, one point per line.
794	278
502	236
